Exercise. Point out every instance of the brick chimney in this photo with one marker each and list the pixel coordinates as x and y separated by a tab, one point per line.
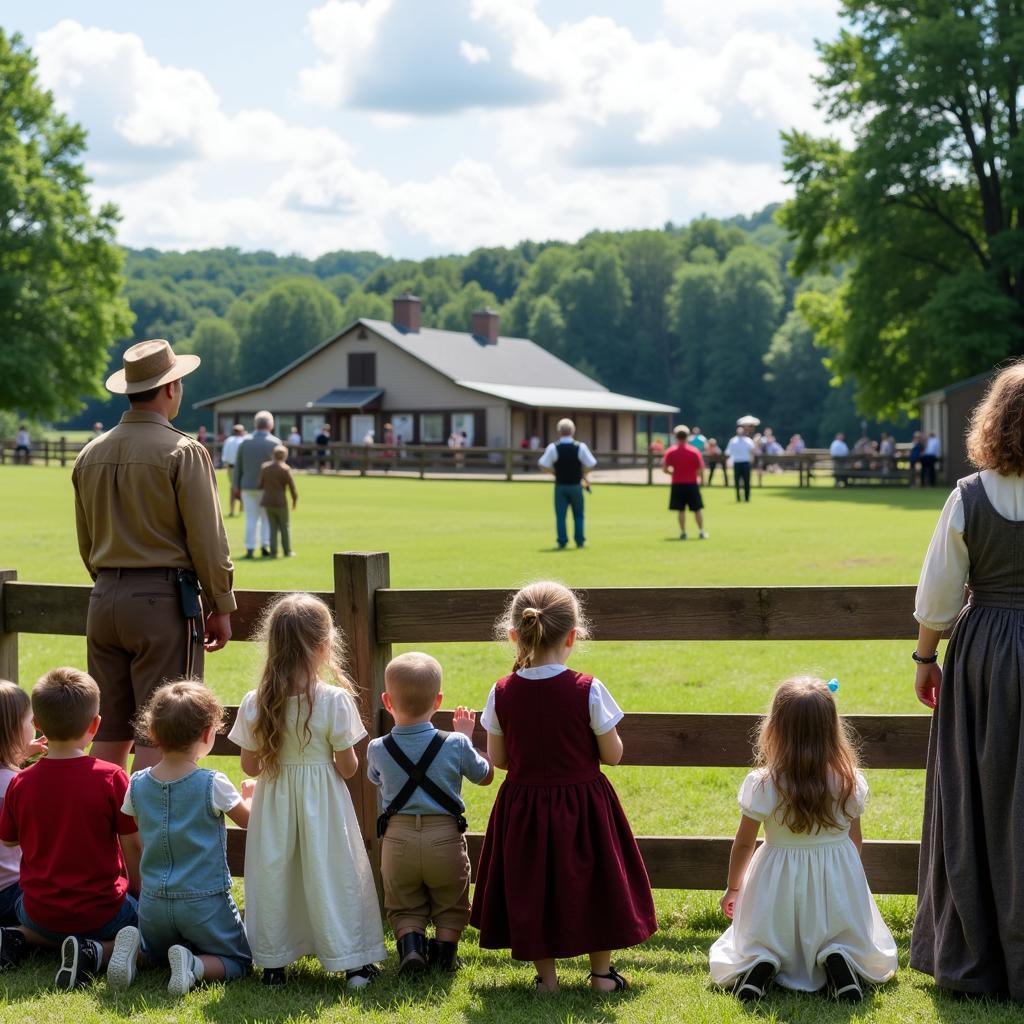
406	312
485	326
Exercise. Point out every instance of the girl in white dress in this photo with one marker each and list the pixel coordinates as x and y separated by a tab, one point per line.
309	889
802	913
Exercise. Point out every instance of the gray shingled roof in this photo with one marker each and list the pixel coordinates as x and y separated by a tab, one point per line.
465	358
462	356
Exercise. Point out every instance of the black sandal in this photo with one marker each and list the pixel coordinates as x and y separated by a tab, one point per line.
843	983
752	985
613	975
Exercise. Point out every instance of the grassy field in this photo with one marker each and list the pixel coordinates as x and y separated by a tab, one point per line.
467	533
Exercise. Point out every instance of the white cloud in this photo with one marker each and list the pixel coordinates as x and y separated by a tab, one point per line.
711	23
108	81
396	56
579	125
473	53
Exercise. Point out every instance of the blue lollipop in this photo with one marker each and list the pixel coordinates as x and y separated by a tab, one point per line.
833	685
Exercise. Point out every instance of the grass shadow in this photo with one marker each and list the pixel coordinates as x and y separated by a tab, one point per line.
520	1002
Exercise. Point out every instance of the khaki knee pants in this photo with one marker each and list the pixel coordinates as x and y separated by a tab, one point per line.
136	639
425	867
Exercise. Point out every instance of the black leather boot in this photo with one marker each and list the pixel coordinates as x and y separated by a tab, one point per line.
443	955
412	953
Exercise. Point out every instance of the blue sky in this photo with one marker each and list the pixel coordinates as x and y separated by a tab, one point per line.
416	127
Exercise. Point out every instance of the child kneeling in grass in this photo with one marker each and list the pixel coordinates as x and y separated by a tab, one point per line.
187	917
80	853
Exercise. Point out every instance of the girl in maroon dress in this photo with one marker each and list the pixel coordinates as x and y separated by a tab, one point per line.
560	873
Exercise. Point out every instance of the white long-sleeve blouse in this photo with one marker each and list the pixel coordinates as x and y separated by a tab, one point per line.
940	590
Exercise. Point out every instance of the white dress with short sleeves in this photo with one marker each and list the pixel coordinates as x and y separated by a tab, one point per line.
309	889
803	897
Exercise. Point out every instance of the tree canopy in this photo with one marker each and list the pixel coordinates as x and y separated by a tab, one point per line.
926	207
61	306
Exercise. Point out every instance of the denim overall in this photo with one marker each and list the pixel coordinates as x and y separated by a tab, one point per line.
186	887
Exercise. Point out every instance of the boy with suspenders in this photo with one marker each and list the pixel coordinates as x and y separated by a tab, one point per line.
419	770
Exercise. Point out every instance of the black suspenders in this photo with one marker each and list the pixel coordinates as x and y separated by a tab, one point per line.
418	780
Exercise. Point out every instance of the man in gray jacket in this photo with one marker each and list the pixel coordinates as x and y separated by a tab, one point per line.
251	455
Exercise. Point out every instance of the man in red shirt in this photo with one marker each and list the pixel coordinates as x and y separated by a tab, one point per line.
686	466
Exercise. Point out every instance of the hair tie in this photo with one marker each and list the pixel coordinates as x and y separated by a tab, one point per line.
833	685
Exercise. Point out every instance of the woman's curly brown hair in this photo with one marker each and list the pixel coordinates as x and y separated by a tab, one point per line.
995	439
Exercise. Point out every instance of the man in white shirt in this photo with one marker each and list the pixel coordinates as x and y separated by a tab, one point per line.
228	455
839	450
740	451
930	455
570	461
23	446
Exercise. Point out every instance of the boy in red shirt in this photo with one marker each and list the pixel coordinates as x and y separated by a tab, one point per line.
80	853
686	465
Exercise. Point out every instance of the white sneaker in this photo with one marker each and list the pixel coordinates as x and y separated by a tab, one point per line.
183	977
124	959
703	535
361	976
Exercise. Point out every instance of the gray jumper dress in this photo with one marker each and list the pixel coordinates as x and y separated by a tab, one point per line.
969	930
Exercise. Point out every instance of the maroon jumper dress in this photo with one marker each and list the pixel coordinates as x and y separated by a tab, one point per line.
560	873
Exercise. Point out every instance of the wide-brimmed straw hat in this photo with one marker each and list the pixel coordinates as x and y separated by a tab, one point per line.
149	364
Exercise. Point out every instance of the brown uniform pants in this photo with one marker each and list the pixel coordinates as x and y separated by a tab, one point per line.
425	867
136	639
278	519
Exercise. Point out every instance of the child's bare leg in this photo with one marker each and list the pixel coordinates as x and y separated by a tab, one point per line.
601	963
682	520
213	967
546	973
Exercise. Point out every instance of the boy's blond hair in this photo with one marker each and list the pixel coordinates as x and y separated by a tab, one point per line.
413	681
64	703
280	452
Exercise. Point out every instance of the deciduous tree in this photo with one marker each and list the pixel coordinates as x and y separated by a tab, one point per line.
60	271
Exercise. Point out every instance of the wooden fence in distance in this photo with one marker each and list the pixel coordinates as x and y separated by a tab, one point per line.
515	463
374	616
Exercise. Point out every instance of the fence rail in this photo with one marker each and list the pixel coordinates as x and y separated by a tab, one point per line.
374	616
512	463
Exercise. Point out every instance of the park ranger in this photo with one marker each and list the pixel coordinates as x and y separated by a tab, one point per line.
151	534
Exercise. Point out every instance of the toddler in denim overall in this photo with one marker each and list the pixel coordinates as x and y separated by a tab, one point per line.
187	916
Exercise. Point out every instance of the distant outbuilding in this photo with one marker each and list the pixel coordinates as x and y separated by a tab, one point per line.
427	383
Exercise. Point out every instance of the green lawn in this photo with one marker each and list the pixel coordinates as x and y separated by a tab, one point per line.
467	533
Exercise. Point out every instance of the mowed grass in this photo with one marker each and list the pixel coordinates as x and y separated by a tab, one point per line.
468	533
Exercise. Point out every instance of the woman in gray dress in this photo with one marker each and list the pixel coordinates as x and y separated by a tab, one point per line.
969	930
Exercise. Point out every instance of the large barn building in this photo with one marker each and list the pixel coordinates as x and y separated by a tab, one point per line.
430	383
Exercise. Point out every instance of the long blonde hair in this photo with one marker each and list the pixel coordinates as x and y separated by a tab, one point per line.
302	643
809	752
542	614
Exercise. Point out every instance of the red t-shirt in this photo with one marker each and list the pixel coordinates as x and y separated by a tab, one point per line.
66	816
685	462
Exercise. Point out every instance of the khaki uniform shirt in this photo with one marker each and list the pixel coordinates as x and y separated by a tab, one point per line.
146	497
275	480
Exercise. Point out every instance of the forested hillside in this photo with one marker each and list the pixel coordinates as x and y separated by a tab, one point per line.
700	315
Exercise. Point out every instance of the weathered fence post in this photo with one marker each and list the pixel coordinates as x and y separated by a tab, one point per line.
357	577
63	451
650	465
509	456
8	641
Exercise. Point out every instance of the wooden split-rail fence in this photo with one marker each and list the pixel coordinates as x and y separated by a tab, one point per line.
374	615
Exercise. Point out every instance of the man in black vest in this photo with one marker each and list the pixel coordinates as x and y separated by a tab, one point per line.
570	461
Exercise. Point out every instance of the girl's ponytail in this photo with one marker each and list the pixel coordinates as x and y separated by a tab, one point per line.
541	615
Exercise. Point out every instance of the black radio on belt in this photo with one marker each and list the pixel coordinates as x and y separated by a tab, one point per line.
189	590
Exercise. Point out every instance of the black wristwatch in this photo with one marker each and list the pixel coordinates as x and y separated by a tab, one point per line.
925	661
